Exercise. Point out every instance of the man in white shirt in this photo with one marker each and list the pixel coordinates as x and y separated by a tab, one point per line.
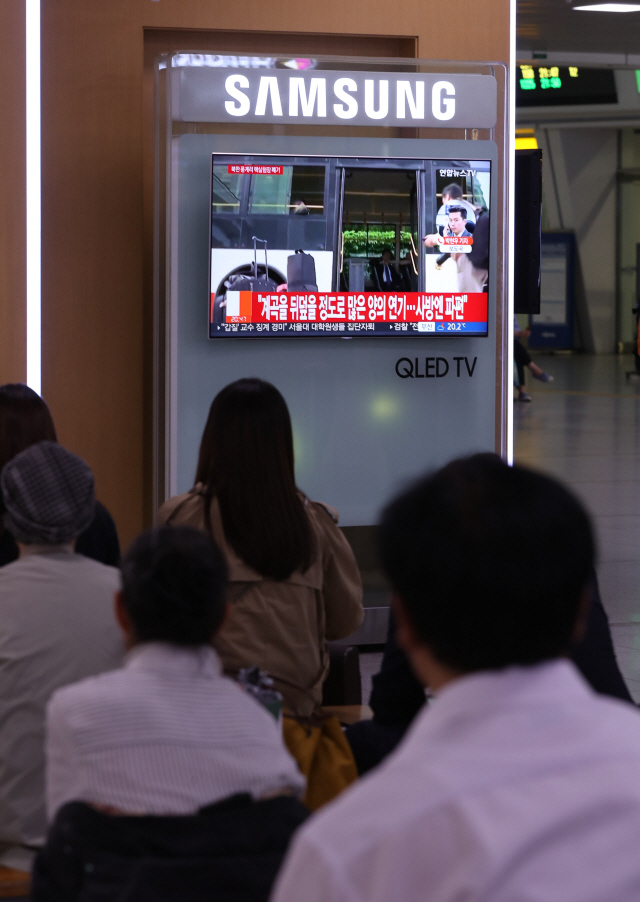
56	626
518	783
167	734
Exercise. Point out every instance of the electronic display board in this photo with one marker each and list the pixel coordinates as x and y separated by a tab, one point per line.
564	86
321	246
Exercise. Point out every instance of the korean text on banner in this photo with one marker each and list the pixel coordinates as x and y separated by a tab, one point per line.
383	307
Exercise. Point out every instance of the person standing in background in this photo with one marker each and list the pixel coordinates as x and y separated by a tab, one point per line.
522	359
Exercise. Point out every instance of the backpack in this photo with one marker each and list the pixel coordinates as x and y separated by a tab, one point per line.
301	272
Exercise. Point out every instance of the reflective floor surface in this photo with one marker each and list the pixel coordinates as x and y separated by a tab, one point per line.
584	428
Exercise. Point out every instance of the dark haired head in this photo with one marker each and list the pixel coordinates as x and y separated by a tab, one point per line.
24	420
452	190
386	250
458	209
173	585
246	460
490	563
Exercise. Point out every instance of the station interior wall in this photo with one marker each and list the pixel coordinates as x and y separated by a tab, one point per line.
97	200
628	226
579	195
591	186
98	196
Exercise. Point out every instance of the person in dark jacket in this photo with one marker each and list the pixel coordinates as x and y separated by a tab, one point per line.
25	419
387	276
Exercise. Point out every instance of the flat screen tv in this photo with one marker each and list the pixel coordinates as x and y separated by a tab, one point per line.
317	246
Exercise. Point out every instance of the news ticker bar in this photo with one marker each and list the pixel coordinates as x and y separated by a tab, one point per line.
427	310
342	329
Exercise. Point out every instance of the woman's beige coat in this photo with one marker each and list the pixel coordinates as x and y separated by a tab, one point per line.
283	627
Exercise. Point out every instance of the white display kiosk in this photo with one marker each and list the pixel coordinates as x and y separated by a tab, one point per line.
366	147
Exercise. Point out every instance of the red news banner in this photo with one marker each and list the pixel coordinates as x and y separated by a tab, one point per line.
254	169
370	307
458	244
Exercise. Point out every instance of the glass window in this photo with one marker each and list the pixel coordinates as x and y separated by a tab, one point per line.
225	192
270	193
380	237
368	240
298	191
405	244
307	190
355	240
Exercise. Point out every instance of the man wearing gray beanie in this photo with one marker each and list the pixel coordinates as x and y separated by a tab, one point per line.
56	626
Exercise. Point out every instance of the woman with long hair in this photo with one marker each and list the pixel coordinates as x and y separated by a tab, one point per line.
25	419
293	579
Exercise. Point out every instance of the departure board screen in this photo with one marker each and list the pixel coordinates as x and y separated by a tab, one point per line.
564	86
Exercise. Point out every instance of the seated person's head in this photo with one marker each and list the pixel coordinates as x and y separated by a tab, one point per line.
24	419
489	564
173	588
47	494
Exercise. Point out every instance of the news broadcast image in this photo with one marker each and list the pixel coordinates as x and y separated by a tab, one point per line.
327	246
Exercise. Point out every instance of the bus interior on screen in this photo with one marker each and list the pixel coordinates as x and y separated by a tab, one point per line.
364	222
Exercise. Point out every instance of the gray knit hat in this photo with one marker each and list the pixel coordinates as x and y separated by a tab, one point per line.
48	495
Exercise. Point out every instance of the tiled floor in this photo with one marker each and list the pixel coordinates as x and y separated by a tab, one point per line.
585	428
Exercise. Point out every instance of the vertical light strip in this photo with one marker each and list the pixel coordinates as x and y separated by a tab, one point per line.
34	216
511	209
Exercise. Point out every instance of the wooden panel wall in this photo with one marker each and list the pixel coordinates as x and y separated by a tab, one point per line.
13	283
97	146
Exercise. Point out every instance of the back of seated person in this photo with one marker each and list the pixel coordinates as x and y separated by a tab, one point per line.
518	781
56	625
294	583
167	734
397	696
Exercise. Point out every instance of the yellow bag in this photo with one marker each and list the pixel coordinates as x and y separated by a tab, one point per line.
323	754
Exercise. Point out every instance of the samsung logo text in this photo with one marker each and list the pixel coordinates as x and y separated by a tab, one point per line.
204	94
308	98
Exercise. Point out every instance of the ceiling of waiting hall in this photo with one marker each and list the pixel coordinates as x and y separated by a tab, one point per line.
555	26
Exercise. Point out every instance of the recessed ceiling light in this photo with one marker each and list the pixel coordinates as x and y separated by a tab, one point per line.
610	8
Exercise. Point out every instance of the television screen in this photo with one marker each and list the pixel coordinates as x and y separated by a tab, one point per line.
527	231
343	246
564	86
